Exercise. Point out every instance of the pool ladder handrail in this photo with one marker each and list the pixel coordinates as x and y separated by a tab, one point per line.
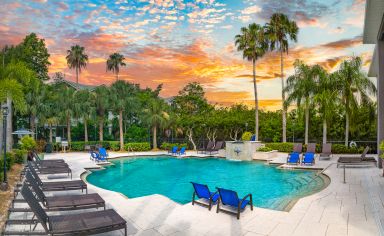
321	172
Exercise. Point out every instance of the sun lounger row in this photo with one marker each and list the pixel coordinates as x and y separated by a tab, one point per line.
211	148
225	197
308	158
177	151
33	198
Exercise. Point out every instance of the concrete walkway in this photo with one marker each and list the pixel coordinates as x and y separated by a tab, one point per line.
353	208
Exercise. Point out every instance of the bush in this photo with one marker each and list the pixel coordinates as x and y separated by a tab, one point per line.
342	149
20	155
318	148
382	148
27	143
168	146
40	145
281	147
264	149
138	147
114	145
246	136
336	148
10	161
79	145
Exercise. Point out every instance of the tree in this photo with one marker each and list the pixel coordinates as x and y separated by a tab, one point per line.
301	86
34	54
156	116
114	62
191	100
279	30
354	87
102	103
84	108
252	42
66	102
76	58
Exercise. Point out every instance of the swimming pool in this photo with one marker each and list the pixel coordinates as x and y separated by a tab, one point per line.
271	187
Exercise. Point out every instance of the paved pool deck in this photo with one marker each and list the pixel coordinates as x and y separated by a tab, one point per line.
352	208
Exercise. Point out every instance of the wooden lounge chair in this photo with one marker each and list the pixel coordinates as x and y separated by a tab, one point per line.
202	192
218	146
37	157
208	147
59	203
231	199
86	223
326	151
355	161
51	169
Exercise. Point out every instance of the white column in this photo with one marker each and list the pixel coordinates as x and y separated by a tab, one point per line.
380	96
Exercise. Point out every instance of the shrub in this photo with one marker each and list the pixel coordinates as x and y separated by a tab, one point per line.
168	146
246	136
264	149
114	145
40	145
281	147
138	147
342	149
79	145
27	143
20	155
318	148
10	161
382	148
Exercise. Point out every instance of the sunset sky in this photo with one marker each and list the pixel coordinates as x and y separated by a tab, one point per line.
174	42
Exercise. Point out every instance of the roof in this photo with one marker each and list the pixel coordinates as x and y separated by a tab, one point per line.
75	85
374	10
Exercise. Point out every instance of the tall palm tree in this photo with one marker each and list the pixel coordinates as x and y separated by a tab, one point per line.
326	99
354	87
252	42
76	58
156	116
102	104
35	98
84	107
66	106
114	62
301	86
279	31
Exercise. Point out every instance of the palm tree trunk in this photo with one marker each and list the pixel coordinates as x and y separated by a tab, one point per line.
324	131
256	101
154	137
346	122
306	125
85	130
77	75
117	76
101	129
69	129
284	111
50	134
9	125
121	130
32	124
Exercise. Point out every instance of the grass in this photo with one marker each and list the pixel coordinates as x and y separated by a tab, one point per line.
6	197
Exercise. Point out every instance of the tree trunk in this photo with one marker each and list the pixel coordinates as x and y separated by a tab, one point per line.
117	76
121	130
1	132
324	131
256	102
32	124
85	129
346	128
77	75
50	134
101	129
154	138
69	129
190	137
306	125
9	125
284	111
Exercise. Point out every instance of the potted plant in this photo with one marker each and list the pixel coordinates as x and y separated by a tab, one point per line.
265	153
27	144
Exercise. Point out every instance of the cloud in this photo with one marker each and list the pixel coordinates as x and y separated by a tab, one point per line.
251	10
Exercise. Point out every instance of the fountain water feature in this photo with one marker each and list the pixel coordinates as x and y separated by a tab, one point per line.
241	150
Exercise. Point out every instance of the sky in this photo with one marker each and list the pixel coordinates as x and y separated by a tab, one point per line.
174	42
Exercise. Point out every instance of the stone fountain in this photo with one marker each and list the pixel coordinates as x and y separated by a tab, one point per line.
241	150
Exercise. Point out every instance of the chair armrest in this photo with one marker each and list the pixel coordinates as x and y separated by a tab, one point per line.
213	194
247	196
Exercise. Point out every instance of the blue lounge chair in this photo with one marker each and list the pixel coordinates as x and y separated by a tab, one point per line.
173	151
94	156
230	198
293	158
103	153
182	151
308	158
202	191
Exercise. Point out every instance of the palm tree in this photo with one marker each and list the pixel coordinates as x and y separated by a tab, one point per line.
279	30
76	58
35	98
66	106
326	99
252	42
102	103
156	116
84	107
301	86
354	87
114	62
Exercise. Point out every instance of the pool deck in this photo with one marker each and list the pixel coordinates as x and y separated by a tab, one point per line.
353	208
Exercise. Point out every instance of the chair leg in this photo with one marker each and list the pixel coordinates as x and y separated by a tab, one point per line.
193	198
218	206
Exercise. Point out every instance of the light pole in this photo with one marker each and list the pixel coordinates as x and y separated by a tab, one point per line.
4	184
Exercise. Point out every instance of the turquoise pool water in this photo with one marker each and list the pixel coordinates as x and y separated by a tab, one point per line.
271	187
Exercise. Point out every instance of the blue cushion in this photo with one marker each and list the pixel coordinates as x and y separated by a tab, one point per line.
229	197
308	158
244	204
294	157
202	191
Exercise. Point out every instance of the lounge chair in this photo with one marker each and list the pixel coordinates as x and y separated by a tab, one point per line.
86	223
181	151
103	154
173	151
60	203
202	192
326	151
362	160
230	198
50	169
294	156
97	157
309	155
37	157
218	146
208	147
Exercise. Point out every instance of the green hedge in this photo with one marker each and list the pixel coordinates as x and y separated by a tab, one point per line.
79	145
336	148
168	146
137	147
10	161
264	149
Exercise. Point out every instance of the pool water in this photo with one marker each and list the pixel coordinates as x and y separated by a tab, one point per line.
271	187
